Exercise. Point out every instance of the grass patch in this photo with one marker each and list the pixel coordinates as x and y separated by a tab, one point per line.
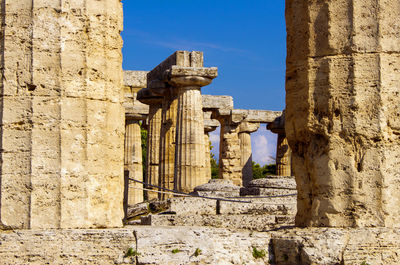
257	254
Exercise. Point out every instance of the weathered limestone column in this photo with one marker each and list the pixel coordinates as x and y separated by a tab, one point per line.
167	141
133	161
342	116
283	156
283	151
153	148
229	148
210	125
230	161
189	150
62	122
135	112
246	157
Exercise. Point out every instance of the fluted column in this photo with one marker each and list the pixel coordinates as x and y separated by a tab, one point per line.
153	148
246	156
190	160
133	161
61	114
210	125
342	115
207	158
283	156
189	156
229	152
167	142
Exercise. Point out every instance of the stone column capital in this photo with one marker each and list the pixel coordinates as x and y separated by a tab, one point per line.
248	127
195	77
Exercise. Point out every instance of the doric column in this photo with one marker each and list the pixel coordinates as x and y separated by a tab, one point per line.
210	125
133	161
283	151
229	146
153	147
283	156
342	115
189	151
246	160
167	141
61	114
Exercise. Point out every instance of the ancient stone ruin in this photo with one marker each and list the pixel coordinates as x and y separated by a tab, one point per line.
72	189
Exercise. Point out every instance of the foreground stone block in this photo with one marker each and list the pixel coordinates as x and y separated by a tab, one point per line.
217	188
62	124
336	246
342	116
102	246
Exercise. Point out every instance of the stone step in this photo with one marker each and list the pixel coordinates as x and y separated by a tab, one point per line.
258	207
257	191
250	222
280	182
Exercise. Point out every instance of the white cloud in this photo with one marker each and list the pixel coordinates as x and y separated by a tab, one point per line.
214	138
263	143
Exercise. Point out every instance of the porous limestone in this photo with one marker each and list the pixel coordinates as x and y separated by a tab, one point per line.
210	125
246	154
61	113
178	80
136	114
133	162
217	188
342	111
232	155
283	151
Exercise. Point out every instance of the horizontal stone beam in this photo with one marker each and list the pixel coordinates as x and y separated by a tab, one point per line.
179	58
278	126
135	79
133	82
259	116
211	102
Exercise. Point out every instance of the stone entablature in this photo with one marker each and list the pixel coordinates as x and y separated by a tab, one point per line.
235	142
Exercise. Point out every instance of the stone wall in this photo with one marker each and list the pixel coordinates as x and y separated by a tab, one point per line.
200	245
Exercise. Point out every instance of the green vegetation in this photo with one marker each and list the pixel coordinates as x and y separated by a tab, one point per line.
214	165
131	253
261	172
143	134
258	253
174	251
364	263
197	252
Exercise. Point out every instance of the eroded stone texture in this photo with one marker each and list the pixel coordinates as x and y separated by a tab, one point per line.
61	114
178	80
342	123
283	156
230	155
153	148
229	151
133	161
189	159
167	141
283	151
210	125
327	246
136	113
246	156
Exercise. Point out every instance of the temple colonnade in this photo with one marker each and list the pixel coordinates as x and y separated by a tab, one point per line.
178	154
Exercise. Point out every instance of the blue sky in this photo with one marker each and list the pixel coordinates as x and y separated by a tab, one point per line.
244	39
